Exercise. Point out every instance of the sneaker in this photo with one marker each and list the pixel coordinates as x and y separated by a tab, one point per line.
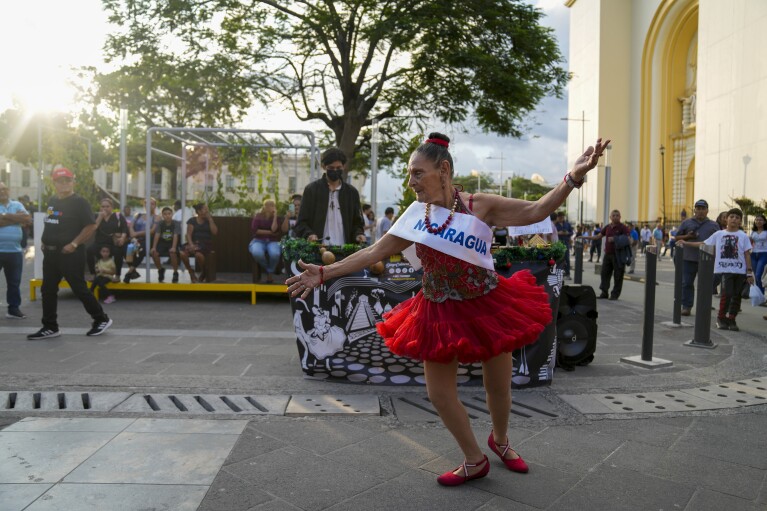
733	325
685	312
175	277
135	275
14	313
44	333
99	327
127	278
161	275
110	299
723	323
603	296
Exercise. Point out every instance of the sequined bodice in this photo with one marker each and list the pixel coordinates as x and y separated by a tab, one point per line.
448	278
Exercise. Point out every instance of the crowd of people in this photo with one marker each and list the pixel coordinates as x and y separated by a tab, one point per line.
330	211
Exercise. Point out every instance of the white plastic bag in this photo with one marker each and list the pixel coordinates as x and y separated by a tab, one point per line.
756	295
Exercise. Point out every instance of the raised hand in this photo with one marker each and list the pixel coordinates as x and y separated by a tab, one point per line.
588	160
307	280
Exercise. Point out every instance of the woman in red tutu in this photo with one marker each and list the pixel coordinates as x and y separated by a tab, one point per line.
465	312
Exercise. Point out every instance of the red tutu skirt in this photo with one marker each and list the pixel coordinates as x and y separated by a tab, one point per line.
511	316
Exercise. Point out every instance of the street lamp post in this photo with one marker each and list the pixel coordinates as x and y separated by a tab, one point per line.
663	183
746	161
123	158
583	121
500	178
476	173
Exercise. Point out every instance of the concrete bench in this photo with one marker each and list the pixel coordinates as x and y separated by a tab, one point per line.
218	287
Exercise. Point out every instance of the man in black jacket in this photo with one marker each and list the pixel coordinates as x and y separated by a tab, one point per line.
611	266
330	210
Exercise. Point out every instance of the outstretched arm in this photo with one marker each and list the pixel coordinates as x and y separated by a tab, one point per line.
497	210
311	277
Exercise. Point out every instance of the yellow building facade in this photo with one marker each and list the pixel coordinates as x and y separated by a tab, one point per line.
680	86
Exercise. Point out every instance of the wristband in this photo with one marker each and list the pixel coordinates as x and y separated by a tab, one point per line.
322	274
572	183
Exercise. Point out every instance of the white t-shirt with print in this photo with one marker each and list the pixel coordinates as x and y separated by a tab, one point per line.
730	252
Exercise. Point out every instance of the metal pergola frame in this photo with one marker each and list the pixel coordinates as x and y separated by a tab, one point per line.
220	137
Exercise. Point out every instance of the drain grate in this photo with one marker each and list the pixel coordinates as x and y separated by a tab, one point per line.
22	401
333	405
726	395
204	404
418	408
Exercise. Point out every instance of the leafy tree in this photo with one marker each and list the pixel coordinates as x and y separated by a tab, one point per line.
474	184
60	145
344	63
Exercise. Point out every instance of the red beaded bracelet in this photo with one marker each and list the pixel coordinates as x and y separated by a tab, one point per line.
571	182
322	274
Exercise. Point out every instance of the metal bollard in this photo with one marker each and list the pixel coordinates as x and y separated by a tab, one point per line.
651	262
677	308
702	336
578	261
646	359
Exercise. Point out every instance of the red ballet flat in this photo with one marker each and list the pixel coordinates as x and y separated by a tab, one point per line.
516	465
451	479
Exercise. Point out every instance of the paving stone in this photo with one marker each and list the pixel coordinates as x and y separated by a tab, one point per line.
691	469
188	426
737	438
414	490
301	478
384	456
120	497
618	489
568	448
706	500
659	431
43	457
16	497
320	436
252	443
70	424
539	488
230	493
503	504
156	458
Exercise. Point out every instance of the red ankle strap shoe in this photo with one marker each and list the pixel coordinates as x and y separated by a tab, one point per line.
451	479
517	465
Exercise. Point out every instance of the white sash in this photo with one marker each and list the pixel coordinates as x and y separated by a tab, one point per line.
466	238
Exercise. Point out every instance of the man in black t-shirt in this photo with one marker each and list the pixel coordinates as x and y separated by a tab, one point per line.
68	224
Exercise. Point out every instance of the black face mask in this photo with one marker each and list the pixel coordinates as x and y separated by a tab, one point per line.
334	175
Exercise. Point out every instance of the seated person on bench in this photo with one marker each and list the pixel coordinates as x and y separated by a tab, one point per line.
200	230
165	244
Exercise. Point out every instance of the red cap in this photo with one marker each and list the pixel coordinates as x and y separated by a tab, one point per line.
61	172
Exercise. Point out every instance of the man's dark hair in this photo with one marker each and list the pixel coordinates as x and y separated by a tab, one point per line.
177	205
389	210
332	154
197	207
735	211
167	208
560	214
366	207
297	196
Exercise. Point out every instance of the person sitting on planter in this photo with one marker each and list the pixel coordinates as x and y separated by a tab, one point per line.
265	235
200	230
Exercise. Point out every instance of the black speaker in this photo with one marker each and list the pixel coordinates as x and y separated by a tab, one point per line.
576	326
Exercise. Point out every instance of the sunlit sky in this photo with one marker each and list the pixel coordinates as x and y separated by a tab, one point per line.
43	40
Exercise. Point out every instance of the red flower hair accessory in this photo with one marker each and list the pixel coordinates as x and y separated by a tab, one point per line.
438	141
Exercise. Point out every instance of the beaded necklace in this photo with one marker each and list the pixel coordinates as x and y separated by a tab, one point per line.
442	227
